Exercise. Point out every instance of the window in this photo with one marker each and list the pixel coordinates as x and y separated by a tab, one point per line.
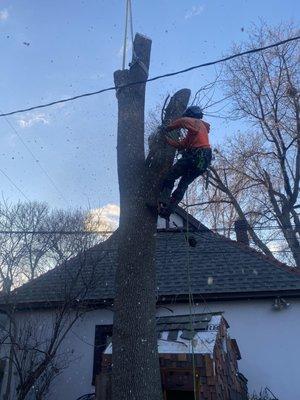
103	335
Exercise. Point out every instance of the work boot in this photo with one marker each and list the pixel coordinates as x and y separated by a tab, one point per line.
164	196
163	210
172	205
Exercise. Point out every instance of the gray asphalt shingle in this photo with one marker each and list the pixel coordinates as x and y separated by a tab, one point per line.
218	267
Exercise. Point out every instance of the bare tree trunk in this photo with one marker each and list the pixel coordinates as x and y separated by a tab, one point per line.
135	361
7	394
216	181
136	372
9	374
264	89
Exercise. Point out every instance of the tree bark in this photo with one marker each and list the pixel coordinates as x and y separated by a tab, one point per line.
136	373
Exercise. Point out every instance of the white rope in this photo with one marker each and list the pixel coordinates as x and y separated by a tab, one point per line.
128	18
191	303
125	35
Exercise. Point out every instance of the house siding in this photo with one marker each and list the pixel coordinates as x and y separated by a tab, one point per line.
268	341
76	379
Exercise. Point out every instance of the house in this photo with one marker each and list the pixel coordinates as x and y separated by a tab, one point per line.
197	359
258	297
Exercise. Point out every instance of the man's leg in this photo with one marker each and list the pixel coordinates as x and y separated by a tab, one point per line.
178	170
194	167
183	184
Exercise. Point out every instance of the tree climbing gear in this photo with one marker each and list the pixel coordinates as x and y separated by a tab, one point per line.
128	15
192	164
135	58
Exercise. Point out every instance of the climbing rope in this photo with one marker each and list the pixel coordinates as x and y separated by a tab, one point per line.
125	35
191	302
130	20
128	16
135	59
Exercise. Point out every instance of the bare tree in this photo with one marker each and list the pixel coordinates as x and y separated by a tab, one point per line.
258	171
33	342
33	240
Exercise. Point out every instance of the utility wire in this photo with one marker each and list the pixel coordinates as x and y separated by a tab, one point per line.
45	232
101	232
14	184
213	251
36	160
91	250
115	249
155	78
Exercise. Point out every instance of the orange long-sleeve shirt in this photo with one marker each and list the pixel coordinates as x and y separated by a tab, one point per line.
197	133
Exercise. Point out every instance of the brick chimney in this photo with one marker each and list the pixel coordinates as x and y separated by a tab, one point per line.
240	227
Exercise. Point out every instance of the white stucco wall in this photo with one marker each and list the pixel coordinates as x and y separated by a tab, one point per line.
268	340
77	379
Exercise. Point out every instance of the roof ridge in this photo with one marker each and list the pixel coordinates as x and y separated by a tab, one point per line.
191	219
265	257
276	277
64	264
203	228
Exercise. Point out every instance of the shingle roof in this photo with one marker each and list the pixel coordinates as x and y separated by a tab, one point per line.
219	268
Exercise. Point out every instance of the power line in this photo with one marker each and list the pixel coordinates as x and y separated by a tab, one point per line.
102	232
213	251
35	159
155	78
114	249
13	183
259	228
45	232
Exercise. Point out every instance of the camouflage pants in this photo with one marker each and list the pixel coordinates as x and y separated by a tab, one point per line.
192	164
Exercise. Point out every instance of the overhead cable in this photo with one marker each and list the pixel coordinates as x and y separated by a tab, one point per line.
44	171
155	78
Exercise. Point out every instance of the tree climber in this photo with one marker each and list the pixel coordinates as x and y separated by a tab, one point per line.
196	158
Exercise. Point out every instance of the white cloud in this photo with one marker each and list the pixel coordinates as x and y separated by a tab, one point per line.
3	15
33	119
103	218
194	11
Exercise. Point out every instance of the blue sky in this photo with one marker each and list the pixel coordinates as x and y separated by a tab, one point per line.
53	49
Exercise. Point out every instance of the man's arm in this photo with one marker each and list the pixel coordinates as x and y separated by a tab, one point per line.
177	124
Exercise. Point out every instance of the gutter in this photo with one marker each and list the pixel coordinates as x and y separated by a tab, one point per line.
162	300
